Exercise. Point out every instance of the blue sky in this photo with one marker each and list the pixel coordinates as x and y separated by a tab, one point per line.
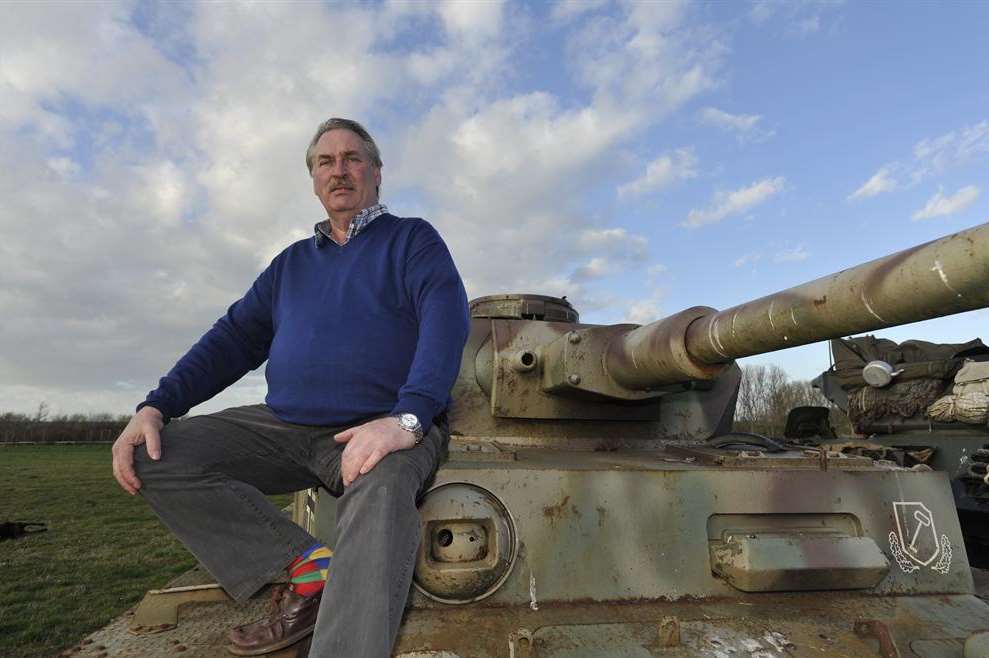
640	158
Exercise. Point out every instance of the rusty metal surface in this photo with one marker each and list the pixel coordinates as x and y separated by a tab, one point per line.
609	526
813	624
939	278
571	510
159	610
658	353
814	459
519	393
816	624
796	561
201	633
878	630
976	646
492	399
574	367
469	544
520	307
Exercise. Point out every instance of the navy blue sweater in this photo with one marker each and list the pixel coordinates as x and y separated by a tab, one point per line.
373	327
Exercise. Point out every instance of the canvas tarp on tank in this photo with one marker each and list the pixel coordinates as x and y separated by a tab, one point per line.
924	373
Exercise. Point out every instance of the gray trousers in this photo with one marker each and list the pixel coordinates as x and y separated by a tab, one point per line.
209	487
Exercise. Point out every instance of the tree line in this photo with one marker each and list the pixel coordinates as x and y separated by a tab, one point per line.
766	396
44	427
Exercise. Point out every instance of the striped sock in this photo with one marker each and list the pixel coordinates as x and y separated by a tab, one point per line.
307	573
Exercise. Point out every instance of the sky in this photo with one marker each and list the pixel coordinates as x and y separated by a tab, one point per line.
639	158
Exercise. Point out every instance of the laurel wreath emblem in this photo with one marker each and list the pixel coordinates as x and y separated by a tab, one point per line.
901	558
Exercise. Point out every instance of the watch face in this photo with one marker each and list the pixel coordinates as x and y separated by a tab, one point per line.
408	420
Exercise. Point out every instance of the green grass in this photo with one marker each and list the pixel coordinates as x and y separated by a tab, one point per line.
102	551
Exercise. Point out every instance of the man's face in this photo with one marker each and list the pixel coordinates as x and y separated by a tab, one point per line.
343	176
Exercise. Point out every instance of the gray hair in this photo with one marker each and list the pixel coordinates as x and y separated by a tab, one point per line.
337	123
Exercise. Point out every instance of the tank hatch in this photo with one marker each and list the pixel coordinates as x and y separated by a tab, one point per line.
524	307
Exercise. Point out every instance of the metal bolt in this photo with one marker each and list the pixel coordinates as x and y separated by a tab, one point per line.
574	379
573	337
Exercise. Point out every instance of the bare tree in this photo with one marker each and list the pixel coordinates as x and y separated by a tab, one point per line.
44	427
766	396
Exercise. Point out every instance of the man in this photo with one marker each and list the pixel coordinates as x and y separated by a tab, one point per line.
362	326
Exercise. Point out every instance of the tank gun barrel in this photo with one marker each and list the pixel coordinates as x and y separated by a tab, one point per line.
942	277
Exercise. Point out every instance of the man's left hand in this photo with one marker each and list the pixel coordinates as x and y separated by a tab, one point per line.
367	444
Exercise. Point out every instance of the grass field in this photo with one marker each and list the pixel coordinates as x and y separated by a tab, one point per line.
102	551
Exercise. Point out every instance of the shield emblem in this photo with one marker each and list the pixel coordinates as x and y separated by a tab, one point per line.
916	532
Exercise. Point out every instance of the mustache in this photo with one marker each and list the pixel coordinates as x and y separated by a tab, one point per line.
341	183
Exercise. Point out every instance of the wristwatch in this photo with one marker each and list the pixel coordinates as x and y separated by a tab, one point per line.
410	423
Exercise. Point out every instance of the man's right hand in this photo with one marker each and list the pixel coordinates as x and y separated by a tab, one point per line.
144	427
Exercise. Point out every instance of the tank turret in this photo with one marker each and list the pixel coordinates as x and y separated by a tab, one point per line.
530	367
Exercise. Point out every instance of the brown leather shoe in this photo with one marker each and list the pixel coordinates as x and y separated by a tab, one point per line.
291	618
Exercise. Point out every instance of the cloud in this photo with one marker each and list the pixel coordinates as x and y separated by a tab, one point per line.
939	204
797	18
808	25
880	182
644	311
657	269
472	20
565	10
762	10
662	172
63	166
744	126
737	201
935	155
647	52
791	255
516	166
36	79
595	268
745	259
734	122
614	241
931	156
613	250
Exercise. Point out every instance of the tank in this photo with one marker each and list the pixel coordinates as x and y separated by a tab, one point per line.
916	403
597	503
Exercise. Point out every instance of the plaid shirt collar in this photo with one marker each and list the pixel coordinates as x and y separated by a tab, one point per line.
360	221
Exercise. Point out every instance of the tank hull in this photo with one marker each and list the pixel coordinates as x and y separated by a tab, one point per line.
615	559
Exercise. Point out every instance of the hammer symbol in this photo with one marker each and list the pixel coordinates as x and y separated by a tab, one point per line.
923	521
